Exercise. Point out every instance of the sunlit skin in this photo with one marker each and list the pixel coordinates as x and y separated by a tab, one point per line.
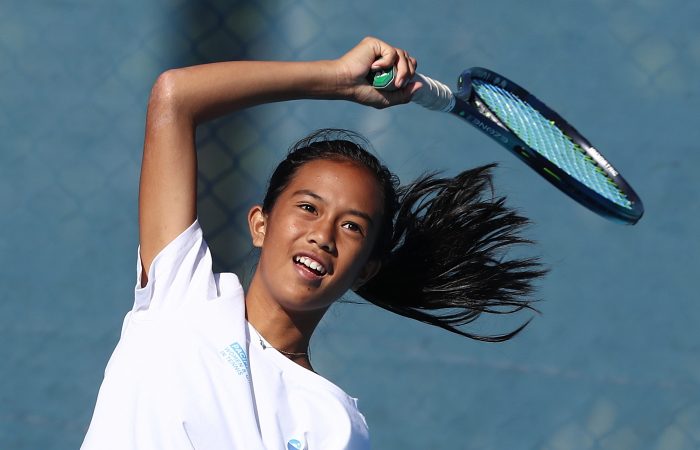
330	213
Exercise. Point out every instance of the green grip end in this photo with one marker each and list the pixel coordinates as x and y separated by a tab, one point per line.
383	79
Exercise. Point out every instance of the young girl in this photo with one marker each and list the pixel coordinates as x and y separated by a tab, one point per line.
201	364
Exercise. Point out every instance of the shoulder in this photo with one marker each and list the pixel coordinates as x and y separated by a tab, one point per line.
182	274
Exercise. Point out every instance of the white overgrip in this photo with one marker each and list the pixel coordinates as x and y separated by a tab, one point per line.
433	94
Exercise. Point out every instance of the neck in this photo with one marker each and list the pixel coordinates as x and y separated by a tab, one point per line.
288	331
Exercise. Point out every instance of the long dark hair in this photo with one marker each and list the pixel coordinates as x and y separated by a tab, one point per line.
442	242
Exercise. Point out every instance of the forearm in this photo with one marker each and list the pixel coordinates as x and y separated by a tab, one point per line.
204	92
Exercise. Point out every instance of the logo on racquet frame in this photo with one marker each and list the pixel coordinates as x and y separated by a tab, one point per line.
602	162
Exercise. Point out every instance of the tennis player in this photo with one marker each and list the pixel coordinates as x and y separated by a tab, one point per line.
203	364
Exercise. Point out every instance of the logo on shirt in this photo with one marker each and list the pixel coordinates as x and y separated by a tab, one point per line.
237	358
294	444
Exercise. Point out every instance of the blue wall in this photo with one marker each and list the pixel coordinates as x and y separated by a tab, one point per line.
610	364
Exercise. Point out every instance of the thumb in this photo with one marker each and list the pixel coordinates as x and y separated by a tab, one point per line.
404	94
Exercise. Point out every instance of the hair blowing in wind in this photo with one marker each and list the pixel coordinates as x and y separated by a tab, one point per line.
447	262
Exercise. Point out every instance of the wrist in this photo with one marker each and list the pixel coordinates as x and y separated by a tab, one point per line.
344	80
330	80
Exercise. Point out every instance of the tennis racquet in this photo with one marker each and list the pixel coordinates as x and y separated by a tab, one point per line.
536	134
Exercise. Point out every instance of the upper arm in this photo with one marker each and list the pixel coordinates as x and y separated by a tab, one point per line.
168	185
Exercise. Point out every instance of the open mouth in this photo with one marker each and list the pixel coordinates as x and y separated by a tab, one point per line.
311	265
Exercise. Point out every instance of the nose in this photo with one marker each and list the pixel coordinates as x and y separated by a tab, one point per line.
323	235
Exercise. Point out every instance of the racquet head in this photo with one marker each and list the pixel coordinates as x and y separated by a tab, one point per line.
546	142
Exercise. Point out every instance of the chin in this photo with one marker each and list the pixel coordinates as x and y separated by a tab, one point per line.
305	307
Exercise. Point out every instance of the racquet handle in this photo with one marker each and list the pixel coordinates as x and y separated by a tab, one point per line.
433	95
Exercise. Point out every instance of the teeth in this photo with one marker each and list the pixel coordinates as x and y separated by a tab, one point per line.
311	264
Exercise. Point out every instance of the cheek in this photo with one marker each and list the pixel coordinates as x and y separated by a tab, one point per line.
356	258
292	228
281	233
368	247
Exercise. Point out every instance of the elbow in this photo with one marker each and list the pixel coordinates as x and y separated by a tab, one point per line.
167	102
164	91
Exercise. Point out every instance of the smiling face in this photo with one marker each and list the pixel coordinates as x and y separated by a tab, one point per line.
317	238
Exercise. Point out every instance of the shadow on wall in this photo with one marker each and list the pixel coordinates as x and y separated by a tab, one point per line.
214	31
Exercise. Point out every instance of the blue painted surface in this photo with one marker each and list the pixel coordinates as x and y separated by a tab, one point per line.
612	361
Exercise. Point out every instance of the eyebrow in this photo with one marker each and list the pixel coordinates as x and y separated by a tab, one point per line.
353	212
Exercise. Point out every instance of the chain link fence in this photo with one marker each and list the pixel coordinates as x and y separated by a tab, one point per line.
75	78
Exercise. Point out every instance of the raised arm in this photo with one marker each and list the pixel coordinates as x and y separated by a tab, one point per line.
183	98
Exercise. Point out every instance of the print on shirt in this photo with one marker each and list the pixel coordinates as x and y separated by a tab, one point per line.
237	358
295	444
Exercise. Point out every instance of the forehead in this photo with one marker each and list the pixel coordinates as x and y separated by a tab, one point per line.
341	183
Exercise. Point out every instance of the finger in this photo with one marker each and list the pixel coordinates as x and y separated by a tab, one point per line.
403	72
413	87
414	65
386	56
411	62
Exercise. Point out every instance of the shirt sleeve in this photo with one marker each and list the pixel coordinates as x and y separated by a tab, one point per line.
180	272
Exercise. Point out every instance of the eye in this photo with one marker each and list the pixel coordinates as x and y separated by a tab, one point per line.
307	207
352	226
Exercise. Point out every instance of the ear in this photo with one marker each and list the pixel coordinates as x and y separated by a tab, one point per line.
256	223
368	271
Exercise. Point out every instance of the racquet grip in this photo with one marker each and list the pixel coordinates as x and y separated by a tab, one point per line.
433	94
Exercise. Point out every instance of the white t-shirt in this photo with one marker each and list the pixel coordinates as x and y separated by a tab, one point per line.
190	372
